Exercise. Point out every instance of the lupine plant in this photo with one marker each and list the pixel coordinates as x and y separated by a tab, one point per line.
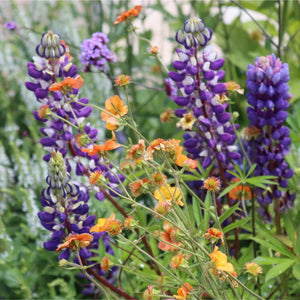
204	214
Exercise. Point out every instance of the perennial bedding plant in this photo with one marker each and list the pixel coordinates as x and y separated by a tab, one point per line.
182	214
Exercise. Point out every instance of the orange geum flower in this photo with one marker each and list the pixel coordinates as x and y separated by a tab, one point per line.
101	224
234	87
159	178
154	50
128	222
239	191
213	235
139	186
111	225
42	111
165	116
76	240
95	177
190	164
122	80
168	193
177	261
168	238
183	292
253	268
104	264
115	108
67	84
128	14
161	208
221	264
212	184
102	149
136	151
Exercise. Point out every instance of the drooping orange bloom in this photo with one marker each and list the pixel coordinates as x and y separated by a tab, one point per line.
253	268
94	177
221	264
190	164
136	151
104	264
154	50
139	186
177	260
170	147
76	240
131	13
169	235
212	184
240	190
122	80
183	292
159	178
111	225
168	193
42	111
116	108
128	222
161	208
68	83
213	235
165	116
234	87
102	149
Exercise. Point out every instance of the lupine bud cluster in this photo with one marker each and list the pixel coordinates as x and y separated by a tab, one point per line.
94	52
50	46
203	114
268	99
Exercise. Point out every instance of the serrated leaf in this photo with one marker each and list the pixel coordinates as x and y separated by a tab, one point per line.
229	212
279	269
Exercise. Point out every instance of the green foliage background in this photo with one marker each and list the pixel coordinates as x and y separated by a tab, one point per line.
26	269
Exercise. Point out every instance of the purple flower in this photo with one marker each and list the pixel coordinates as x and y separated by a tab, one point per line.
268	138
94	52
10	25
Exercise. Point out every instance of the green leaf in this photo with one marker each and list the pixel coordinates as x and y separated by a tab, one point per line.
251	170
197	212
279	269
229	188
229	212
270	260
236	224
279	248
206	212
296	270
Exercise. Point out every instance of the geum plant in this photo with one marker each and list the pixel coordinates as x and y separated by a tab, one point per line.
170	233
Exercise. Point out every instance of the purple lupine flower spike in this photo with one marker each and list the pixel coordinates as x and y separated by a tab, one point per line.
268	99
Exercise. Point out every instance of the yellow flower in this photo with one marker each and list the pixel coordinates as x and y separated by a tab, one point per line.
220	260
168	193
253	268
187	121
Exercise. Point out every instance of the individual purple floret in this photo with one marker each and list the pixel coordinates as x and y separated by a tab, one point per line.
198	76
94	52
10	25
268	139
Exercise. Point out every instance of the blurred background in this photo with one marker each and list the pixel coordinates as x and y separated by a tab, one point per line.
242	31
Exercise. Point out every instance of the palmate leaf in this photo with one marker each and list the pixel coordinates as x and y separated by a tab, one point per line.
265	261
228	189
236	224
